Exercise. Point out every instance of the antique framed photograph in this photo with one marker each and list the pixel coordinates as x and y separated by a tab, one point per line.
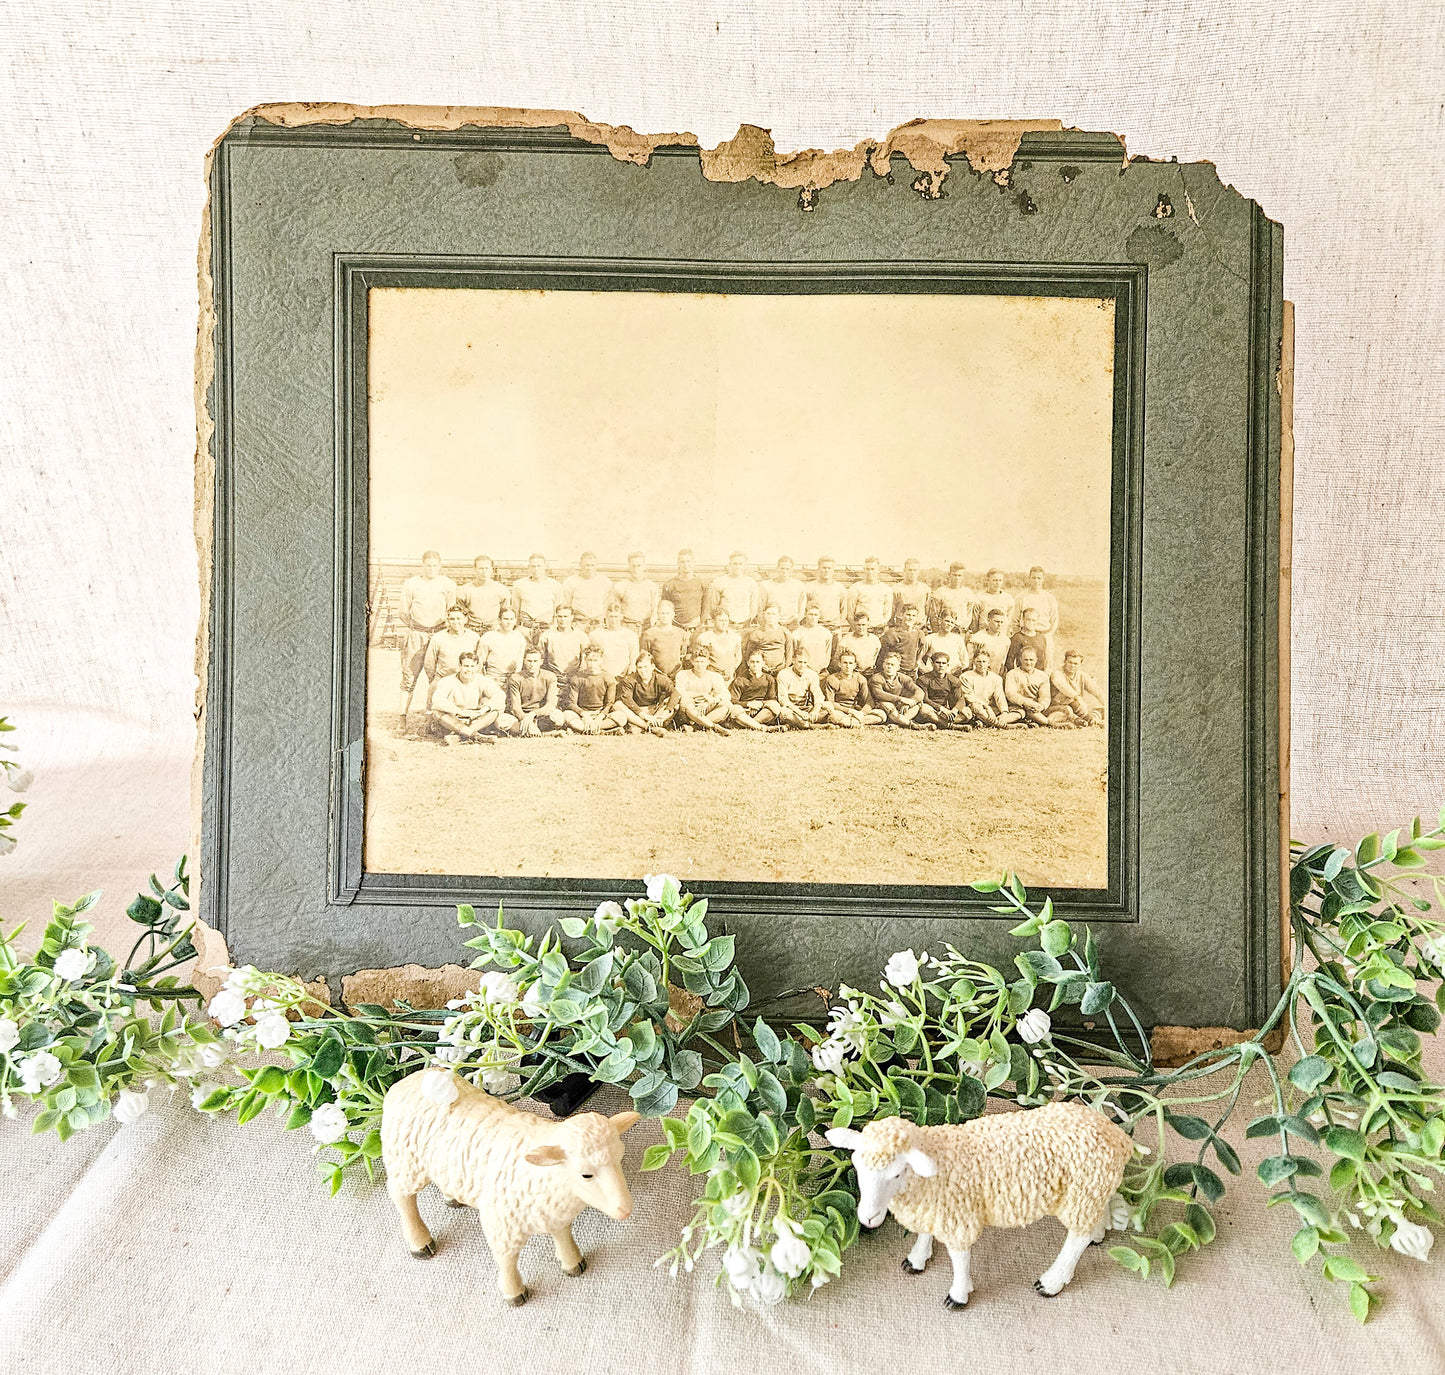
577	516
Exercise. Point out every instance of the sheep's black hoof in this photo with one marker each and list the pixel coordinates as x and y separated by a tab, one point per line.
454	1202
427	1251
1044	1293
517	1300
908	1269
580	1270
952	1303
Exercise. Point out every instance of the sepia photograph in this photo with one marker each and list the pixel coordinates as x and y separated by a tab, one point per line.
742	586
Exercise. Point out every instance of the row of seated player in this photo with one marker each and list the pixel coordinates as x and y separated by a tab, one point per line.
469	706
536	596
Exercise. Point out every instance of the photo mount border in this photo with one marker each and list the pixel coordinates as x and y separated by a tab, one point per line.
354	277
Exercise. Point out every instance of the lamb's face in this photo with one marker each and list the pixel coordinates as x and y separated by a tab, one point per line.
589	1149
886	1161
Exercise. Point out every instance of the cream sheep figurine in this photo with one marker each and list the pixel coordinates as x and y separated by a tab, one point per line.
523	1174
1007	1169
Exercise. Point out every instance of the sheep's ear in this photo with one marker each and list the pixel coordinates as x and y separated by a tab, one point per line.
844	1137
623	1120
545	1155
920	1163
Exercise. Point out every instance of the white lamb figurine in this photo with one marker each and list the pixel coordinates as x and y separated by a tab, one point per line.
523	1174
1007	1169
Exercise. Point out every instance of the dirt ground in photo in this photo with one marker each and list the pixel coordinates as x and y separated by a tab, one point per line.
859	806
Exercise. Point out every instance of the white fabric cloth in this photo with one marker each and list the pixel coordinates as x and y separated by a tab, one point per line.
1329	115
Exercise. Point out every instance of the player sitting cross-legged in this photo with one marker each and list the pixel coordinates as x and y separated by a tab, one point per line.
943	703
983	691
703	701
897	695
591	698
532	697
467	707
755	695
845	694
800	695
645	697
1075	693
1027	690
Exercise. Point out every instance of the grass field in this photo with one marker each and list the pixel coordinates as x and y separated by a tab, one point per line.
869	806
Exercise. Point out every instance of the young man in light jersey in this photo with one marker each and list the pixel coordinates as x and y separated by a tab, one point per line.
863	643
873	597
588	592
665	640
983	691
645	697
800	695
425	597
897	695
755	695
590	697
484	597
687	592
993	639
703	700
950	640
637	594
1045	606
955	599
816	640
736	593
846	696
770	639
466	705
912	591
536	598
562	645
723	644
1027	690
992	596
788	593
1029	636
502	648
533	700
830	596
1074	692
619	644
447	647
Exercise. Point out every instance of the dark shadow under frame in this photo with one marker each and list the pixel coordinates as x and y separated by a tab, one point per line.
355	275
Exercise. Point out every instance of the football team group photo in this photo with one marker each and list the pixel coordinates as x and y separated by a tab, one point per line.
739	587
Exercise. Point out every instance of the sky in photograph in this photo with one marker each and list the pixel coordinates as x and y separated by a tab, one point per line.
942	427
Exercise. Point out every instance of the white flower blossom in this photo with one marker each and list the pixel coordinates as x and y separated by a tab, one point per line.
849	1025
820	1278
770	1286
213	1055
902	968
790	1255
735	1205
1434	948
498	988
272	1030
130	1107
19	779
450	1055
494	1080
975	1069
532	1004
71	965
246	979
657	887
608	917
1411	1239
9	1034
829	1055
200	1092
893	1014
38	1071
743	1265
1034	1026
439	1087
7	843
228	1006
329	1124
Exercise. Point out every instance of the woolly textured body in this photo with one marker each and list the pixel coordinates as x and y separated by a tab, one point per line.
1010	1169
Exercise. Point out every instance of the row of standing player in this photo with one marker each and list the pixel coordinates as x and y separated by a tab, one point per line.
468	706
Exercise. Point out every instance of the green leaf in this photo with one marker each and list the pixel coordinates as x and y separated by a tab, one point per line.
1308	1074
766	1039
1309	1208
1191	1128
1345	1268
251	1105
573	926
371	1145
1409	859
1225	1154
1360	1301
1367	849
973	1097
1202	1221
270	1080
747	1166
1056	938
1130	1259
687	1068
640	983
771	1091
658	1101
1274	1168
656	1156
719	953
215	1100
1305	1244
328	1058
1098	997
1334	864
911	1099
1346	1142
1262	1126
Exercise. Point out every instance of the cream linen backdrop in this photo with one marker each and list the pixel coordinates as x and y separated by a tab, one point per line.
1329	114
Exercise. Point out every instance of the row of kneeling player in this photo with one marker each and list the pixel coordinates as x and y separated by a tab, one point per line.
469	706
